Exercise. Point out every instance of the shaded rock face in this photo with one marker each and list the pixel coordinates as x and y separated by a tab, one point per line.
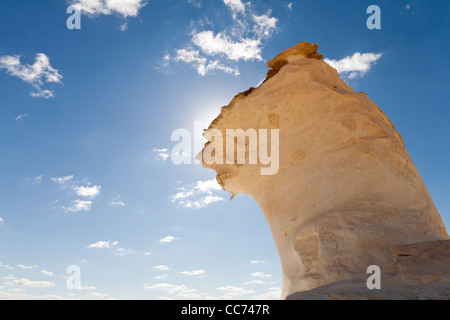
346	190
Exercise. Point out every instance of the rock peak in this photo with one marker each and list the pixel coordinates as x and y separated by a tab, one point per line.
346	191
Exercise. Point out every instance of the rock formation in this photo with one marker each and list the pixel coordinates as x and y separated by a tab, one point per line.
346	193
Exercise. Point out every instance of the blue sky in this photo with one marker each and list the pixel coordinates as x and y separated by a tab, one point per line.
86	118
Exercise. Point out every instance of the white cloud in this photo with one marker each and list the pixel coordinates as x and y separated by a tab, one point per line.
125	8
193	273
290	6
202	64
407	7
122	252
161	268
169	288
103	245
162	153
257	261
260	275
147	253
231	291
37	75
195	3
2	221
62	180
265	25
79	205
21	266
220	44
272	294
89	192
253	282
6	266
47	273
168	239
356	65
117	202
161	277
202	194
210	51
30	284
36	180
236	6
21	117
179	290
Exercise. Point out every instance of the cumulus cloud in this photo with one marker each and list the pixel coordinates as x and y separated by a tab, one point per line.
26	283
79	205
125	8
168	239
200	195
243	40
193	273
236	6
89	192
354	66
37	75
47	273
103	245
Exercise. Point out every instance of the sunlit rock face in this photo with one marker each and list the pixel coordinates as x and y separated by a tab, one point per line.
345	192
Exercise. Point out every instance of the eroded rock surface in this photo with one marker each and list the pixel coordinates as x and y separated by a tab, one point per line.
346	191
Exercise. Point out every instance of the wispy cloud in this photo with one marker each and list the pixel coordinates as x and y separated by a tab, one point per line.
355	66
272	294
37	75
124	8
2	221
233	292
257	261
199	195
243	40
22	266
161	268
193	273
162	154
78	205
6	266
180	291
30	284
253	282
21	117
168	239
260	275
62	180
47	273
